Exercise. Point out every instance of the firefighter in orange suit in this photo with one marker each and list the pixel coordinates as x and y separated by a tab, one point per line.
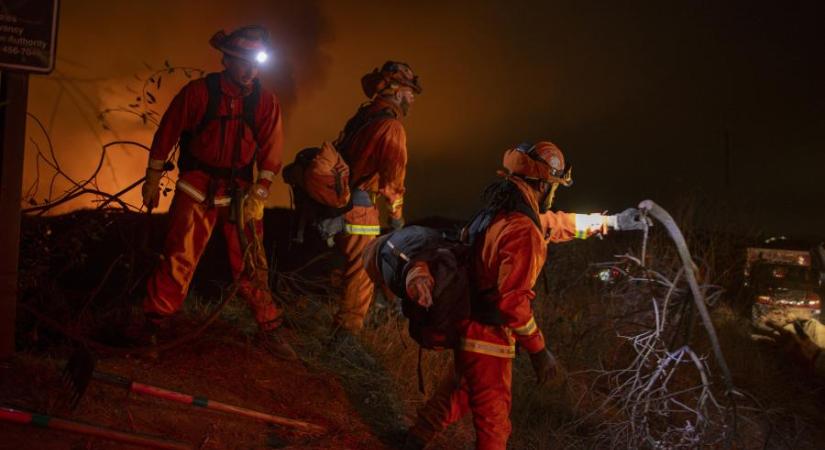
374	144
225	123
509	243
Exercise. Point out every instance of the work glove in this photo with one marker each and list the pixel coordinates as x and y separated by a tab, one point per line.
253	205
420	290
544	364
151	187
629	219
396	223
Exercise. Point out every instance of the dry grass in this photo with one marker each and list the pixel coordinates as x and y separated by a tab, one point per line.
582	320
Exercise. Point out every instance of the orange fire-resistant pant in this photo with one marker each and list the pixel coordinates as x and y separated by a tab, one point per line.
481	384
190	225
358	288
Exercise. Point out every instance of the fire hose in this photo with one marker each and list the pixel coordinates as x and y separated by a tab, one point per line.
649	207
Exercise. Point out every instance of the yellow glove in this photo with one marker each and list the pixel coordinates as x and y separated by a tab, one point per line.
253	206
151	187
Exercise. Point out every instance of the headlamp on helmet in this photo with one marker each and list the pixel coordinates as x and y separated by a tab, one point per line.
250	43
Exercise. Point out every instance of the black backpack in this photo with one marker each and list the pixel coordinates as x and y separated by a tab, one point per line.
449	264
456	294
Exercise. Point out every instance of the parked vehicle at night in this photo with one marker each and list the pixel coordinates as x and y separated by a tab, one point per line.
782	285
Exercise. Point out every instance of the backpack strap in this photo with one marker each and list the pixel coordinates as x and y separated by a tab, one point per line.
383	114
484	311
187	161
213	102
213	91
357	123
250	106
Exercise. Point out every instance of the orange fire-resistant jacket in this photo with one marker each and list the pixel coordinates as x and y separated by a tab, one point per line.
217	142
378	164
507	264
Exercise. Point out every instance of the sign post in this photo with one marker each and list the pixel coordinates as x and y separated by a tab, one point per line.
28	36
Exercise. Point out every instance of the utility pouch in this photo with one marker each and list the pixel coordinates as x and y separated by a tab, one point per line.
235	206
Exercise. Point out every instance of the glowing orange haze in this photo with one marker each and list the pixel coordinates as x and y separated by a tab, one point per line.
635	117
320	56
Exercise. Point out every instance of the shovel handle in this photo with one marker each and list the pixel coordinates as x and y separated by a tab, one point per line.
145	440
203	402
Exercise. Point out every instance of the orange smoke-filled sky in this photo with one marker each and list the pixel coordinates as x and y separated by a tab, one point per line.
642	96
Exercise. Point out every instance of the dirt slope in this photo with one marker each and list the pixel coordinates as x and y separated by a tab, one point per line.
220	366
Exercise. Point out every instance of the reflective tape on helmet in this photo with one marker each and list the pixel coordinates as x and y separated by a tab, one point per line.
487	348
364	230
527	329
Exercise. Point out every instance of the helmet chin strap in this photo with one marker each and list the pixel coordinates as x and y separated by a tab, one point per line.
547	201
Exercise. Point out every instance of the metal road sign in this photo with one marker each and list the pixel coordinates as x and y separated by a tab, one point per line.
28	35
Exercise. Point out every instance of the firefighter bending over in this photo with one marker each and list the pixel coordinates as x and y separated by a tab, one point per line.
508	239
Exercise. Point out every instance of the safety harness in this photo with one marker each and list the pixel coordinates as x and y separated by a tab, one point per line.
483	309
187	161
343	144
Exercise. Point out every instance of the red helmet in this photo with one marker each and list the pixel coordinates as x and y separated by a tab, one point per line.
250	43
392	76
541	161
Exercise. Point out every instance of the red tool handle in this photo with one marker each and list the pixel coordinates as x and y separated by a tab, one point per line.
25	418
203	402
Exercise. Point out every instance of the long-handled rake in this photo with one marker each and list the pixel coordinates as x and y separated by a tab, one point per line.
8	414
80	370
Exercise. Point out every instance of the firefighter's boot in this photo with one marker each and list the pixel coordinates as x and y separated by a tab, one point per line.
274	342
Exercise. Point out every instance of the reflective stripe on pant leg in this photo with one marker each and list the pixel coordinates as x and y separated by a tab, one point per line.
253	286
447	405
488	381
358	289
190	226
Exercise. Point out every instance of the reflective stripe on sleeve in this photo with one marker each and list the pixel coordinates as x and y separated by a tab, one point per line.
365	230
586	224
487	348
526	329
